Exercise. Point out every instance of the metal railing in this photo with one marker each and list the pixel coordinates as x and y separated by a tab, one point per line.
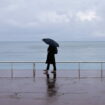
35	62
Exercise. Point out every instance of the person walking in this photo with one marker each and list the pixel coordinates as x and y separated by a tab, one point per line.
52	50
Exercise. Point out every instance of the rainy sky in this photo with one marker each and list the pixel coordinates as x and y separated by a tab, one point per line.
63	20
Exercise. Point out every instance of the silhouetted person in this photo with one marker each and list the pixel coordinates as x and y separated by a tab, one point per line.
51	58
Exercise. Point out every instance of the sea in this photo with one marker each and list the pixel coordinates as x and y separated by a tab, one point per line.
67	51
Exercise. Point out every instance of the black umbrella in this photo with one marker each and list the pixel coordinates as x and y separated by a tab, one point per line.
51	42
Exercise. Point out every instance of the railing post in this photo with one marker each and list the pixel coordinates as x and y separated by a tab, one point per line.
34	70
79	70
101	70
11	70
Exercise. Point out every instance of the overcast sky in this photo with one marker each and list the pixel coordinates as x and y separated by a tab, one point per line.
71	20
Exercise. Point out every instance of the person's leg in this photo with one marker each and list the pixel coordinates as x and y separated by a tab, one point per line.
54	66
48	66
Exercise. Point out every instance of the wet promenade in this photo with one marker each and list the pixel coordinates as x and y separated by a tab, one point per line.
61	89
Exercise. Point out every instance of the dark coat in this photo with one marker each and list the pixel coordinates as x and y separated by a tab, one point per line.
51	54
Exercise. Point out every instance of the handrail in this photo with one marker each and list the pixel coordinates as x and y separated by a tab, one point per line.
56	62
34	62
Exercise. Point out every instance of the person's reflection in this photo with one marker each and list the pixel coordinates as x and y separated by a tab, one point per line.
51	85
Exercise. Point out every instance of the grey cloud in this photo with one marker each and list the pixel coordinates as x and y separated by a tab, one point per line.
34	19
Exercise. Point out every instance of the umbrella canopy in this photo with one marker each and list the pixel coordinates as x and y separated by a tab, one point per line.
51	42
